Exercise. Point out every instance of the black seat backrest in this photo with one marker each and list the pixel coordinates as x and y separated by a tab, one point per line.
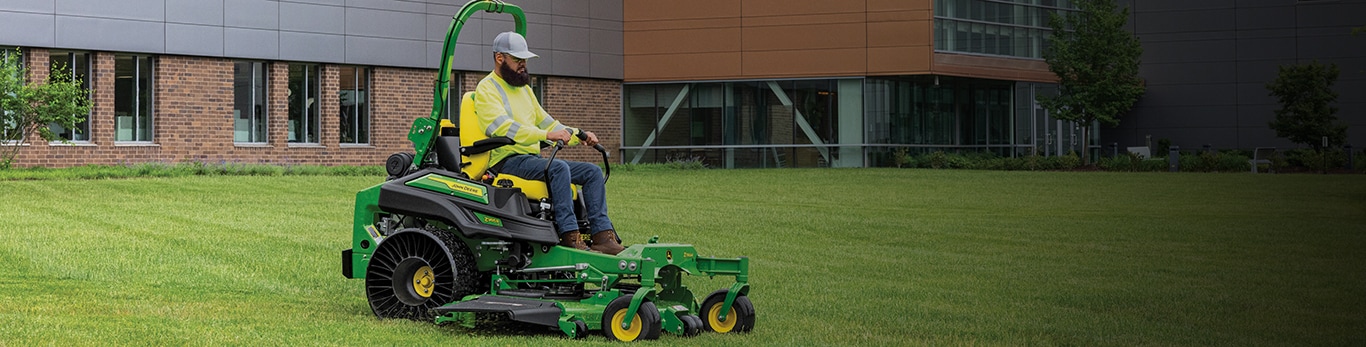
448	152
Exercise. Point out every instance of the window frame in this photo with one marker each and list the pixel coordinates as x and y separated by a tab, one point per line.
454	95
260	78
138	89
5	52
366	73
85	83
538	84
308	130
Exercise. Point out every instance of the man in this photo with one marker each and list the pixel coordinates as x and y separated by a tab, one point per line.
507	107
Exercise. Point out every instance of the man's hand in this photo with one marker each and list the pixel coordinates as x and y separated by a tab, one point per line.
592	138
559	136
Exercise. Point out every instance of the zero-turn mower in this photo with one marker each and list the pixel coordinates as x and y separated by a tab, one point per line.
444	238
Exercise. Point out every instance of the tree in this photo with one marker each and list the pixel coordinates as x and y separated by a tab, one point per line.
1306	95
1096	62
27	109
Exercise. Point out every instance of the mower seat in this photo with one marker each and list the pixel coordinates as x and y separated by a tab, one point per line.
476	146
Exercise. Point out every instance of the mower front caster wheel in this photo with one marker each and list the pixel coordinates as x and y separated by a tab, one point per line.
740	317
645	323
692	325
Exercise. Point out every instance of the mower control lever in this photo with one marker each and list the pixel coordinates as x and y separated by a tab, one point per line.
607	166
583	136
555	149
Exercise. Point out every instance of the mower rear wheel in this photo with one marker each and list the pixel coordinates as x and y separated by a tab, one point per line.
645	324
740	317
414	271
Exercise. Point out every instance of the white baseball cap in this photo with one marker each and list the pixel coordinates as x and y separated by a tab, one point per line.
512	43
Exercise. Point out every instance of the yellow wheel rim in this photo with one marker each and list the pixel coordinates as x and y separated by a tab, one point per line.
626	334
424	281
721	326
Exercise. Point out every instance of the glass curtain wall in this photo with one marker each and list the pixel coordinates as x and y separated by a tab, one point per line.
1013	28
1046	135
791	123
828	122
921	114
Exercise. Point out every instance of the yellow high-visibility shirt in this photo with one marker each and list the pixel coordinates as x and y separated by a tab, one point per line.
514	112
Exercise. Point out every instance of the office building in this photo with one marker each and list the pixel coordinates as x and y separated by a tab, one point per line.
733	84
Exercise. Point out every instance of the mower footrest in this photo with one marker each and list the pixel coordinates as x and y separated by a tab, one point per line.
518	309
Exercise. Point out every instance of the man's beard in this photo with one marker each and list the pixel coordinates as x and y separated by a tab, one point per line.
512	77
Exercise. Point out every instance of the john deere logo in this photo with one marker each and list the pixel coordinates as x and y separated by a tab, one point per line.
669	255
458	186
437	183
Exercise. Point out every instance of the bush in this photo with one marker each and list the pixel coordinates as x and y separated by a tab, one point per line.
902	159
938	160
1118	163
1069	161
1310	160
1164	147
958	161
1231	160
1016	163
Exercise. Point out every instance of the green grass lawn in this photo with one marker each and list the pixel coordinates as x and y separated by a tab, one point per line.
838	257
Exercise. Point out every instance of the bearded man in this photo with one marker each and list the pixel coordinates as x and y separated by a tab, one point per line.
507	107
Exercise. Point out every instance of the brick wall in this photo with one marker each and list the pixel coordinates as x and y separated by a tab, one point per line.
588	104
193	103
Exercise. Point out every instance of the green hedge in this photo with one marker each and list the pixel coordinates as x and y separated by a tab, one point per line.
1191	161
988	161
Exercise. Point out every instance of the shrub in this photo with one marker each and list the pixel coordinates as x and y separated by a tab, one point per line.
1069	161
1119	163
938	160
902	159
958	161
1164	146
1016	163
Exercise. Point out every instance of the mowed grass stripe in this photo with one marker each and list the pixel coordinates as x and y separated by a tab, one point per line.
838	257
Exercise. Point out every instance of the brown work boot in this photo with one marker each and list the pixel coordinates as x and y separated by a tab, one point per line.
606	242
573	240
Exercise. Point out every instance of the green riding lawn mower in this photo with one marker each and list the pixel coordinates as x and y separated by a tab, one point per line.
445	239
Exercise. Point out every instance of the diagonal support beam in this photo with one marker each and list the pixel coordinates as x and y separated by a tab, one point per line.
668	114
801	121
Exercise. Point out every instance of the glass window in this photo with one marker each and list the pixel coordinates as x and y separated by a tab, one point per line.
453	96
132	97
640	116
304	95
76	65
8	125
993	27
677	127
538	88
815	101
354	96
249	102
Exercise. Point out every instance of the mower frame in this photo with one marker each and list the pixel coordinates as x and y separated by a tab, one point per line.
434	244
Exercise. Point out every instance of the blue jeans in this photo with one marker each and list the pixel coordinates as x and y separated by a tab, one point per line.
562	174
